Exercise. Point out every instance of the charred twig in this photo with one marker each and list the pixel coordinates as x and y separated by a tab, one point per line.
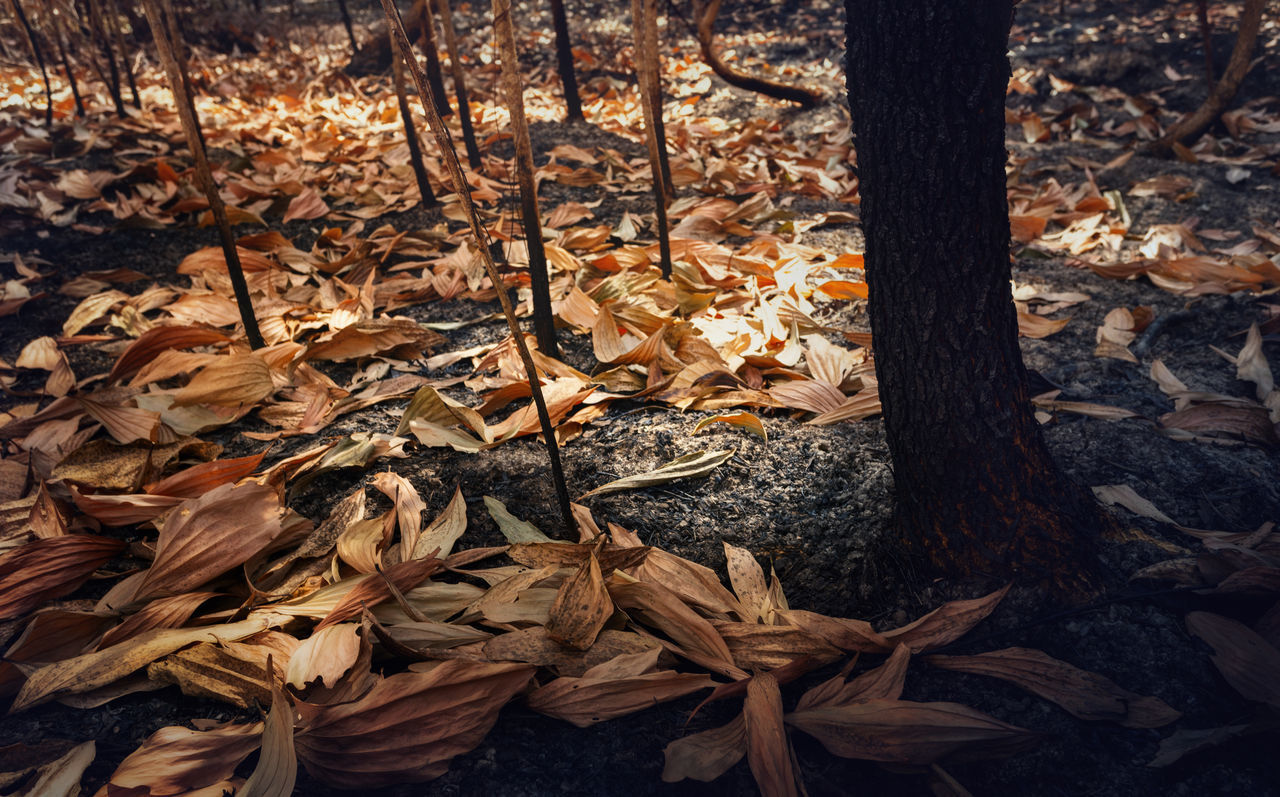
167	47
804	97
644	22
481	235
36	52
410	129
459	84
543	322
564	63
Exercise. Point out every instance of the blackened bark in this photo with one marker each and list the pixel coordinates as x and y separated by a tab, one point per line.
431	50
564	63
977	492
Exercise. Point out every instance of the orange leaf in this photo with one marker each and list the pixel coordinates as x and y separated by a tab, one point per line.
49	568
843	289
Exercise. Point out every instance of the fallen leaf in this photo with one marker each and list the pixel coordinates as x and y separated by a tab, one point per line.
176	760
512	527
229	381
618	687
903	732
768	750
1085	695
744	419
277	767
1245	659
947	623
409	726
689	466
706	755
49	568
581	608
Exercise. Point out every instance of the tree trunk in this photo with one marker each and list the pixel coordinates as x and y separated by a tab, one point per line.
977	492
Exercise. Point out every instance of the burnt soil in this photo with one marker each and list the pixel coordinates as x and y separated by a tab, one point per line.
815	502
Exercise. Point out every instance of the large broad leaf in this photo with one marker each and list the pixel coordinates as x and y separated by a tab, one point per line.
444	531
92	670
903	732
50	568
228	381
1086	695
695	465
205	537
407	727
176	760
747	578
374	590
659	608
882	683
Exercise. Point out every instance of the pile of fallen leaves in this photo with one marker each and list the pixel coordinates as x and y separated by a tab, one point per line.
230	594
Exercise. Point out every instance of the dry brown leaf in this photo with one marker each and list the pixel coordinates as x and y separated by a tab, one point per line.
49	568
810	395
844	633
409	507
758	647
658	607
58	776
373	590
902	732
768	749
706	755
1083	694
325	656
124	424
102	667
532	645
306	205
621	686
176	760
443	532
229	381
394	337
1249	423
360	544
743	419
882	683
197	480
747	578
154	341
160	613
695	584
408	726
204	537
232	672
947	623
277	767
1245	659
1031	325
689	466
581	608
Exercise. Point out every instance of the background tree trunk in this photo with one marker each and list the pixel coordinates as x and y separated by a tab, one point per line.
977	492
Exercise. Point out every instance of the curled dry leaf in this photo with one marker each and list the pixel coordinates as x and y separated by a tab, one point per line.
696	584
176	760
49	568
1251	423
657	607
747	578
768	749
618	687
197	480
1083	694
512	527
745	420
689	466
277	768
154	341
444	531
902	732
447	711
758	647
325	656
706	755
409	507
233	672
582	607
57	777
947	623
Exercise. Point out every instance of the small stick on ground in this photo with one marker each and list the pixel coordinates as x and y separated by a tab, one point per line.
459	84
410	128
650	104
481	235
1193	125
544	324
346	23
38	55
195	142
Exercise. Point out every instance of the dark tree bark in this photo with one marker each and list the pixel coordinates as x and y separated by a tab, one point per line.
432	52
977	491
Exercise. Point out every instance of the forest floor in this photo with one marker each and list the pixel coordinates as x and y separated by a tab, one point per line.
813	501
